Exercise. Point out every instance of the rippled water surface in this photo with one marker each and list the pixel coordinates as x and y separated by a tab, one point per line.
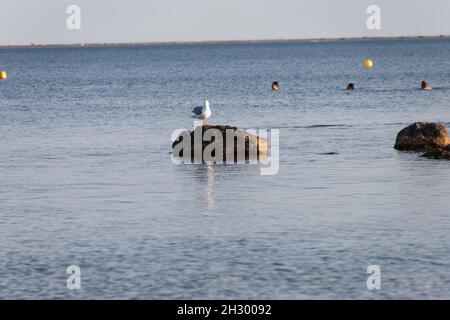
86	176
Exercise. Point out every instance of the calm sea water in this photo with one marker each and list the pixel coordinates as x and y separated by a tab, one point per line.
86	176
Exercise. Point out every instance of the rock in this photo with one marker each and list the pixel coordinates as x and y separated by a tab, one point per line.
422	136
438	154
246	146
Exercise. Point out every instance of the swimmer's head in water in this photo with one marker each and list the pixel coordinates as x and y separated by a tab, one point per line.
351	86
275	85
425	85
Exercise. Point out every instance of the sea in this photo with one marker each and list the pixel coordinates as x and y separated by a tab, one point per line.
88	183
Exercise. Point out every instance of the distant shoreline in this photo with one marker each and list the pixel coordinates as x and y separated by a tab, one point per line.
221	42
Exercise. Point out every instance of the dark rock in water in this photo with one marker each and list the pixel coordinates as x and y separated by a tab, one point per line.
438	154
208	141
422	136
329	153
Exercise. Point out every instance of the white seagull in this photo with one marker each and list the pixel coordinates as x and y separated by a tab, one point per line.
202	113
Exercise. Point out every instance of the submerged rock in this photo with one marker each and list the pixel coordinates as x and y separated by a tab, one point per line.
331	153
438	154
422	136
210	140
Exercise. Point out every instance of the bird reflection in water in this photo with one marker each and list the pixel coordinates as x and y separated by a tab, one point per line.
205	175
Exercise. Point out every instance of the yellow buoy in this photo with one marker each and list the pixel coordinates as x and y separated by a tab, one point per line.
368	64
3	75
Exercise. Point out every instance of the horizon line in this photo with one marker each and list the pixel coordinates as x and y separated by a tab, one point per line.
209	42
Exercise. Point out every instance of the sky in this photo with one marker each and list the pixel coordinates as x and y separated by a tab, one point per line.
115	21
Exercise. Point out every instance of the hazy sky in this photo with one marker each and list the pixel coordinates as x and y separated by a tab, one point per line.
44	21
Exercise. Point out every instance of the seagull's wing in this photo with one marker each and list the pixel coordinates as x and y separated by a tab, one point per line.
198	111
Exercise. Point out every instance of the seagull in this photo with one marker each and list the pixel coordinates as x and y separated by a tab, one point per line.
202	113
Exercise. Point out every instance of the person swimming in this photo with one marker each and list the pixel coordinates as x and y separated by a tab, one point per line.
351	86
275	86
425	85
